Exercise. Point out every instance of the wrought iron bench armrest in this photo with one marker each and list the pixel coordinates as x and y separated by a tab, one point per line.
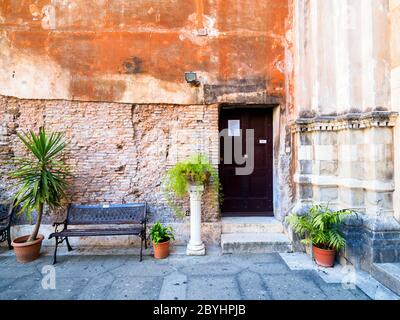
58	224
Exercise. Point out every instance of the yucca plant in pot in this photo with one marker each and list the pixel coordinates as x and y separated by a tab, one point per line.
161	237
320	227
40	179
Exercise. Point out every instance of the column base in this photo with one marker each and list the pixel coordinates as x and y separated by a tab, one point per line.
196	250
371	240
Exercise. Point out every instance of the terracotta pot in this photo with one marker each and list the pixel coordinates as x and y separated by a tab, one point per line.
161	251
27	251
324	258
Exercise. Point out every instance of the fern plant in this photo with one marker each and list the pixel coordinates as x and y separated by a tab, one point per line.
320	227
196	171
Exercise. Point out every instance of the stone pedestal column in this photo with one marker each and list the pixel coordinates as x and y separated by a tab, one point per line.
196	246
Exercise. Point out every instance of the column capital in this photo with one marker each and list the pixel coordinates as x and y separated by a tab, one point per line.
196	190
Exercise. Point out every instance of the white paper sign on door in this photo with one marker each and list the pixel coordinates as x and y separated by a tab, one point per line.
234	128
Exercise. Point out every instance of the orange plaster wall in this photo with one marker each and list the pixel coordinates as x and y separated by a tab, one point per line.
105	46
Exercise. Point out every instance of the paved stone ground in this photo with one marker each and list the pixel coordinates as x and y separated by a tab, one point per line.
213	277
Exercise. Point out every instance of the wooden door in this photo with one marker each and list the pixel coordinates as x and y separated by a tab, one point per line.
252	194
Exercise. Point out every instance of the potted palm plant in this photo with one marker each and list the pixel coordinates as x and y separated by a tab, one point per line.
161	237
40	179
320	227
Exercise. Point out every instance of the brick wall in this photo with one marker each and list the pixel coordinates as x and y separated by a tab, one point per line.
118	153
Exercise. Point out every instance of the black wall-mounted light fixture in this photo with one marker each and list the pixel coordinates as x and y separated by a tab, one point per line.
191	77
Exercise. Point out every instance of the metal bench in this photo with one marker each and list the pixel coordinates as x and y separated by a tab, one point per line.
131	217
6	212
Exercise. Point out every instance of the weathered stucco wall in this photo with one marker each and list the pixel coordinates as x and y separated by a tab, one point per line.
342	56
395	91
138	51
118	153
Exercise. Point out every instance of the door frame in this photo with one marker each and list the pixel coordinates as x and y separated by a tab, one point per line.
276	141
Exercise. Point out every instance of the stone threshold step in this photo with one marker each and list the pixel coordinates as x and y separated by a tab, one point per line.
255	243
251	225
388	274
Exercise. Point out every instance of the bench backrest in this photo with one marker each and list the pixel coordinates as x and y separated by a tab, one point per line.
112	214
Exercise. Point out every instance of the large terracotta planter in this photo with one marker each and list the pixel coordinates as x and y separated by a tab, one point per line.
324	258
161	251
27	251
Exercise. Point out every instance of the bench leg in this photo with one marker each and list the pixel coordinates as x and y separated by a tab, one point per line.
141	249
55	252
68	245
10	247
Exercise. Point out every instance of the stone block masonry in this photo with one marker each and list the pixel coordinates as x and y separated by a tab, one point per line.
118	153
348	162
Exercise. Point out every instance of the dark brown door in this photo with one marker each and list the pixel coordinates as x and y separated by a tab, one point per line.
250	194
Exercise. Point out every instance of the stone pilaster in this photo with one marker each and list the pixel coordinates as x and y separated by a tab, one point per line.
347	162
345	127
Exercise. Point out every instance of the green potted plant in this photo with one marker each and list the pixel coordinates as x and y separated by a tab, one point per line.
161	237
40	179
320	227
194	172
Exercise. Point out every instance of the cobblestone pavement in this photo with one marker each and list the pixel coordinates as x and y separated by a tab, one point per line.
213	277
